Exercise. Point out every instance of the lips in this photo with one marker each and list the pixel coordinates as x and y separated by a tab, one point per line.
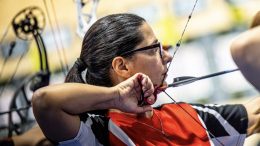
165	71
165	74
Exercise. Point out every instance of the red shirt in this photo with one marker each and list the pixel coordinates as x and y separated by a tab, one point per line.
179	126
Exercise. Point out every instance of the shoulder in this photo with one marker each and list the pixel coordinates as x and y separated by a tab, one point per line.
93	131
223	119
233	116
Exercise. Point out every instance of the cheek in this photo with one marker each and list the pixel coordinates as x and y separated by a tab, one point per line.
149	65
152	66
153	69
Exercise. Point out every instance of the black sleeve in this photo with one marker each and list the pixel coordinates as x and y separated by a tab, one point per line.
99	126
6	142
221	119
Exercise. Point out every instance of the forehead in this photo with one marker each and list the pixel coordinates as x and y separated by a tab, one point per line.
148	34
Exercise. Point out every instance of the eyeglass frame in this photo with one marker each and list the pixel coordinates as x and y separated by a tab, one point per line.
158	44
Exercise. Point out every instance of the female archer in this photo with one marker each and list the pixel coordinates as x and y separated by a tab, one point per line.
125	63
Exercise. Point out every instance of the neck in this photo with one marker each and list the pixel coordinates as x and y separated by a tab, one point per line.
147	114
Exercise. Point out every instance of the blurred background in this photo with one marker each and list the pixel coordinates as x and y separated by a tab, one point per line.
60	26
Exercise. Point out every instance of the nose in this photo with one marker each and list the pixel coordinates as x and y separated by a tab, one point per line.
167	57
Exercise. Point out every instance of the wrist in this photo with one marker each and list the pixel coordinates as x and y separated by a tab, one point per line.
109	101
116	96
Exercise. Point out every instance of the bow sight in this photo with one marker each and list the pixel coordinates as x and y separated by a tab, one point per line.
27	24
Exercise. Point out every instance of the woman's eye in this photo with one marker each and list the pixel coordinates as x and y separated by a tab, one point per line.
152	51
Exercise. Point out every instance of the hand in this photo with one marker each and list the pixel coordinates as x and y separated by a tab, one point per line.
129	93
253	112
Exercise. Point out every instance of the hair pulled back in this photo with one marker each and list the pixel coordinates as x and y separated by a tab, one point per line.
105	39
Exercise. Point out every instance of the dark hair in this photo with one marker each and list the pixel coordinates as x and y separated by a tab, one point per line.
256	20
105	39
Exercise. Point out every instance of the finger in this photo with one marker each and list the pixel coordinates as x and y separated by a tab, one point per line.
160	89
147	84
148	92
136	79
144	80
151	100
140	97
144	108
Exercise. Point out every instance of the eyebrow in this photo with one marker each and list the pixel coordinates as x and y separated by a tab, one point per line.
155	41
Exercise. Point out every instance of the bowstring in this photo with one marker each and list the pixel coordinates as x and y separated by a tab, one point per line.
55	40
177	46
1	48
60	37
180	40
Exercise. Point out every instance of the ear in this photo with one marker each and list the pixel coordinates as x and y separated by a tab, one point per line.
121	67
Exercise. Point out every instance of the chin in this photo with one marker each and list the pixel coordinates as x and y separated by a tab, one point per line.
164	83
156	84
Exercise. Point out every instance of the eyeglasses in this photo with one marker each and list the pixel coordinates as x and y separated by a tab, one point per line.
159	45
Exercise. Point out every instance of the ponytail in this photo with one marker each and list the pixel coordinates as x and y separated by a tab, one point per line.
75	72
